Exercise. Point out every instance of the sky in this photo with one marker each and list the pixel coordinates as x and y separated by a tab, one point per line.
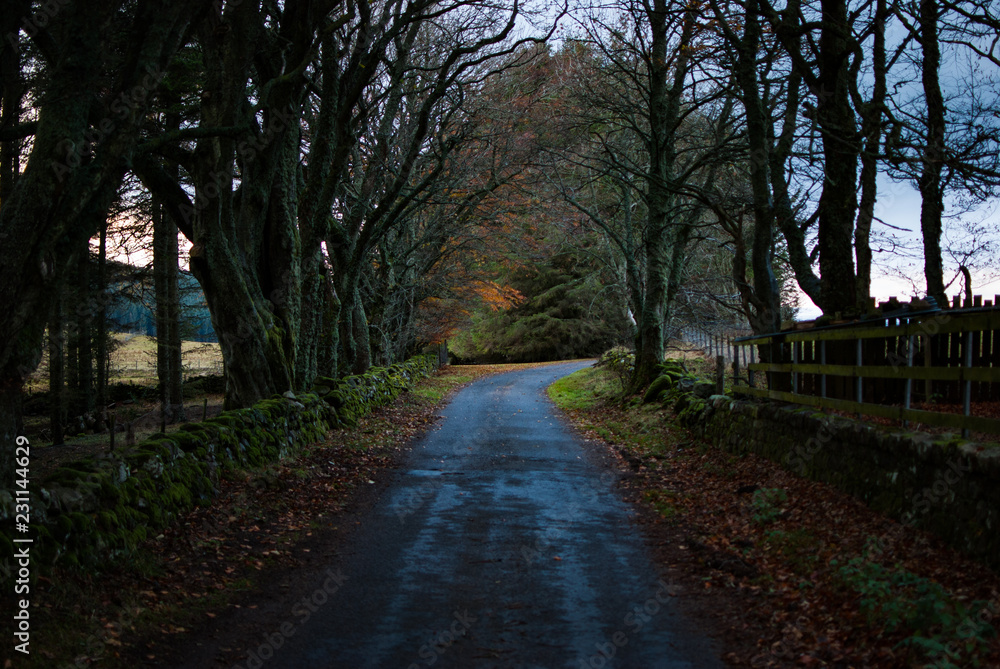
899	206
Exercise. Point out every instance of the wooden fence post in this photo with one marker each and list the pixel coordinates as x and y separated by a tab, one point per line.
967	385
928	383
908	392
720	374
859	381
822	361
736	364
795	361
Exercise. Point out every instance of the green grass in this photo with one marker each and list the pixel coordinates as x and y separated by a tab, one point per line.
666	502
585	389
436	388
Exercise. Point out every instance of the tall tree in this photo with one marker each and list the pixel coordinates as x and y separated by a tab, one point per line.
168	314
820	42
96	89
946	139
647	104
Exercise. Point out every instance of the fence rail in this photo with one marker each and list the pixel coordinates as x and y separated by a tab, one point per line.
883	366
714	343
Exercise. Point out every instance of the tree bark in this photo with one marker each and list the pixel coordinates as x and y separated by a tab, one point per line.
161	290
762	300
826	71
169	313
85	341
929	182
838	201
246	245
101	318
871	131
175	378
57	385
666	89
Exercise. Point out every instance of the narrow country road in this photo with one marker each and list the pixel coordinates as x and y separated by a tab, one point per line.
501	543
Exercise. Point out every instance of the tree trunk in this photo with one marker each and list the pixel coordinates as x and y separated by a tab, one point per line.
43	216
169	370
85	344
11	99
102	320
354	353
838	200
666	87
314	284
71	339
246	243
252	342
175	378
929	182
161	257
57	386
871	130
762	302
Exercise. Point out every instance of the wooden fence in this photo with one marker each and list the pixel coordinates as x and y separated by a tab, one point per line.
883	366
714	343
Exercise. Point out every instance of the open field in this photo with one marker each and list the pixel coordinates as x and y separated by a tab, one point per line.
133	360
132	365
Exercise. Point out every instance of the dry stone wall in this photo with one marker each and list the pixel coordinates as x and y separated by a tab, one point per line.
945	485
92	511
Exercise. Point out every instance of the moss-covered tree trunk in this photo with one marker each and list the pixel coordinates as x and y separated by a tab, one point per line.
667	79
247	248
354	350
168	313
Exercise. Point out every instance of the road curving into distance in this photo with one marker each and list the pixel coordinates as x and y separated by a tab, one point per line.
502	542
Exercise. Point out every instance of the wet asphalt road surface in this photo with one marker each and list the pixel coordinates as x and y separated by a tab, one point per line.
501	543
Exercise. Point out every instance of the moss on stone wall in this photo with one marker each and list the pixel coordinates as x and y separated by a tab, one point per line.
89	512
